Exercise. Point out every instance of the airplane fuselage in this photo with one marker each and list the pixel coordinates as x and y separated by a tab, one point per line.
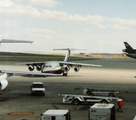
52	67
131	55
129	51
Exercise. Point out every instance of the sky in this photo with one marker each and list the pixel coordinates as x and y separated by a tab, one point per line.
99	26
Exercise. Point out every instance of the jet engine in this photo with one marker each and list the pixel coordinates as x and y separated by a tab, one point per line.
65	68
3	84
31	67
77	68
38	67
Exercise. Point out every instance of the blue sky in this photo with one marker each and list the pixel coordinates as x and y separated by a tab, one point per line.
100	26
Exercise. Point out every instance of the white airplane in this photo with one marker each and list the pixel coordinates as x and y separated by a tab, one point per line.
9	73
57	67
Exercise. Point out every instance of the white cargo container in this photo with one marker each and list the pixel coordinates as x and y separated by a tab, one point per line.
56	115
102	112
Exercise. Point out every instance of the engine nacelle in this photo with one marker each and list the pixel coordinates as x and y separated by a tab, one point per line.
38	67
65	68
31	67
3	84
77	68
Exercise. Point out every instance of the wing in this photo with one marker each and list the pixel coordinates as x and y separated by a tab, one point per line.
79	64
61	63
14	41
31	63
27	74
8	73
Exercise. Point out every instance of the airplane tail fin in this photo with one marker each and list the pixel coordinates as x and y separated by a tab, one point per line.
67	56
128	46
128	49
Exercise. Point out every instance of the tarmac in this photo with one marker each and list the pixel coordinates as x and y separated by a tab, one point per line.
16	103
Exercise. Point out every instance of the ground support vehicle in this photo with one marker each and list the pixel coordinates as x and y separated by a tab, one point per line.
97	92
37	88
56	115
102	112
79	99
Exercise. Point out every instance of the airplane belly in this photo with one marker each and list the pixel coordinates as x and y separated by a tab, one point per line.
55	71
131	55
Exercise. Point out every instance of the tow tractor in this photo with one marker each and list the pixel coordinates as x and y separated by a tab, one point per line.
79	99
97	92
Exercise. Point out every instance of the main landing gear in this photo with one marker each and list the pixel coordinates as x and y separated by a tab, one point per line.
65	73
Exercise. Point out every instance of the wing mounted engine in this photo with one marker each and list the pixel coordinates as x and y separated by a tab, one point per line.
31	67
77	68
66	68
38	67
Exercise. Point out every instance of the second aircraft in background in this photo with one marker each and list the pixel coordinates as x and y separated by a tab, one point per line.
130	52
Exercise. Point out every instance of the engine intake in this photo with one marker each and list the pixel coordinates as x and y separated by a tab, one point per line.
38	67
77	68
65	68
31	67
